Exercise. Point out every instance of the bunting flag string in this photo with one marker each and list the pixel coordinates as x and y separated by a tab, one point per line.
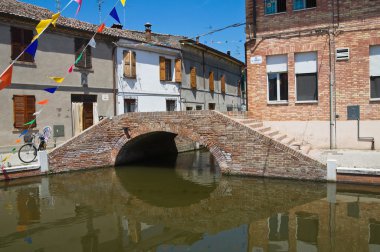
70	70
32	49
51	90
101	28
92	43
57	79
18	141
114	14
38	112
30	123
123	2
43	102
23	133
79	58
79	2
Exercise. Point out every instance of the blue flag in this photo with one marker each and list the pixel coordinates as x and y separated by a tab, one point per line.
23	133
51	90
32	48
113	14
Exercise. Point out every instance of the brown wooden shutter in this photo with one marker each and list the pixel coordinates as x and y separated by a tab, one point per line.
88	59
78	43
24	106
223	84
211	82
133	64
16	41
127	63
162	69
193	77
178	70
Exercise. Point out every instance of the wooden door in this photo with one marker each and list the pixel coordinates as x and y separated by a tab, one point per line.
88	115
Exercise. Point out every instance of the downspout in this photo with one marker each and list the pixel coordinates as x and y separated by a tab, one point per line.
204	80
114	79
254	19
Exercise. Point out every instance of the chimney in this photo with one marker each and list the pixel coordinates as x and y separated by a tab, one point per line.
117	26
229	53
148	32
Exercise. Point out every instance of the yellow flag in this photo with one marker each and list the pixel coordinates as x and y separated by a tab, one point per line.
42	25
123	2
6	158
55	18
57	79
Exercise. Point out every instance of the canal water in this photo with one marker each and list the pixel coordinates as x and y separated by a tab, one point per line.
184	204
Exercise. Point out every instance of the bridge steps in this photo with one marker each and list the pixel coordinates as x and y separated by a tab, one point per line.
277	135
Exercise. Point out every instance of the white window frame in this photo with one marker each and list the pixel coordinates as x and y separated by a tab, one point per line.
278	101
295	80
370	75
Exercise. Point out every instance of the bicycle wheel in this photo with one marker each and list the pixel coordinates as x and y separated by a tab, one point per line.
27	153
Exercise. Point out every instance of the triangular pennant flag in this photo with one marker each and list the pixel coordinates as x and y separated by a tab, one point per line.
101	28
14	150
79	58
55	18
71	69
43	102
30	123
42	25
6	78
92	43
32	48
113	14
51	90
6	158
37	113
23	133
123	2
18	141
79	6
57	79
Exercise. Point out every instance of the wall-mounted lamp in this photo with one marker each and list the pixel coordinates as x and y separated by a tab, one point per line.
126	132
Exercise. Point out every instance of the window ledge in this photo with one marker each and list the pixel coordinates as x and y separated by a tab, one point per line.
277	102
25	63
305	9
374	100
306	102
87	70
273	14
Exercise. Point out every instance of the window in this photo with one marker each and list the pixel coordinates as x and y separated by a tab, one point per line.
304	4
165	69
129	64
278	237
211	106
20	39
85	62
211	81
306	76
130	105
198	107
171	105
275	6
277	72
178	70
189	108
307	231
193	77
24	106
223	84
374	235
374	53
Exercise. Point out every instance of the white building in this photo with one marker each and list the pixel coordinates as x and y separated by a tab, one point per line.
146	77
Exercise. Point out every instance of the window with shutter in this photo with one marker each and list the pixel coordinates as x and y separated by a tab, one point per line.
211	81
178	70
162	69
24	106
193	77
223	84
133	64
86	61
129	64
20	39
168	69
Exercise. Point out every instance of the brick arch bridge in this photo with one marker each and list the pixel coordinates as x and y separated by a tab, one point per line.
237	148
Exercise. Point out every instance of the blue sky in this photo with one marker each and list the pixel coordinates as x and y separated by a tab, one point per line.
179	17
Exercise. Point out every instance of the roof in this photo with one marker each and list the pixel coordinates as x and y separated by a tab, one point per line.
36	13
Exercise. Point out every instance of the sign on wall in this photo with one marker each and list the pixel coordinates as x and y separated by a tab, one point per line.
256	60
105	97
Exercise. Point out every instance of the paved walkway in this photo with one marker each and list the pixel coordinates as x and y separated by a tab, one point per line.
350	158
14	160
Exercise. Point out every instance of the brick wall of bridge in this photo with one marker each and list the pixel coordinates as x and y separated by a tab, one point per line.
238	149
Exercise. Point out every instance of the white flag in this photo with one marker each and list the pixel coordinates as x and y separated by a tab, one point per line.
92	43
37	113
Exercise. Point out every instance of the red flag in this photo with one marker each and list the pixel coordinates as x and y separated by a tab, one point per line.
79	5
71	69
6	78
43	102
101	28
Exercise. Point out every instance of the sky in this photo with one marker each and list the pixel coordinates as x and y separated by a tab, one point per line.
178	17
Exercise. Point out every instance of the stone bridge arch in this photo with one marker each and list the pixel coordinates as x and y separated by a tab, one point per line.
237	148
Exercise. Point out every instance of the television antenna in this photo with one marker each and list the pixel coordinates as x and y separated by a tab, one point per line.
100	2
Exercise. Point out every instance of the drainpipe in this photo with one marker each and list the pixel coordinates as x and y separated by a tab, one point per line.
114	79
254	19
204	80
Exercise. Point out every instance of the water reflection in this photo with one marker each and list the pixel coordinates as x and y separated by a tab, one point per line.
186	206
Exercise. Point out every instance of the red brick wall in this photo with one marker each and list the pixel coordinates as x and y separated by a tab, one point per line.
359	28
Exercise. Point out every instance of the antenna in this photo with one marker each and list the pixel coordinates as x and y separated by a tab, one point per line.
58	5
100	2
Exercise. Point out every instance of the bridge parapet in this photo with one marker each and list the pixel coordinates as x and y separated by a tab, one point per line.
237	148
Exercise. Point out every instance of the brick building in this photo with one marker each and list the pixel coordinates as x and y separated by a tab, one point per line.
305	55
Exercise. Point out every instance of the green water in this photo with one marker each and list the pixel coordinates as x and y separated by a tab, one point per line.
185	205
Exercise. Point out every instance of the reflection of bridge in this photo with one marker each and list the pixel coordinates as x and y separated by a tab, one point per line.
237	148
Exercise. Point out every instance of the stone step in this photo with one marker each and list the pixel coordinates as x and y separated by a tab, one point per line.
247	121
306	149
255	125
288	140
263	129
281	137
296	143
295	147
272	133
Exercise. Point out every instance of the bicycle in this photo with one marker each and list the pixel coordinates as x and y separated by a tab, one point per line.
28	152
